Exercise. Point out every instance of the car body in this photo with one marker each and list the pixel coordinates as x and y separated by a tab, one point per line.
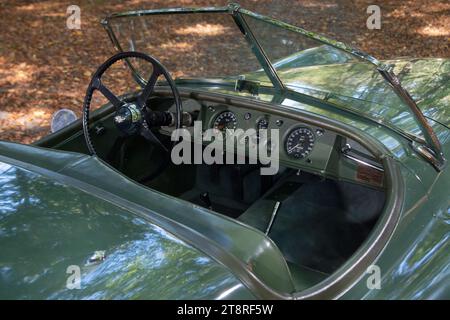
382	210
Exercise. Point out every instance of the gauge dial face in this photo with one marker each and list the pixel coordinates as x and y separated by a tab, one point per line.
225	121
299	143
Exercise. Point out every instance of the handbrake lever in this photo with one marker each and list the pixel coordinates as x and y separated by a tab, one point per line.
272	218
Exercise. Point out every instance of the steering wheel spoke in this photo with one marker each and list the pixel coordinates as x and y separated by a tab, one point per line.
148	89
115	101
150	136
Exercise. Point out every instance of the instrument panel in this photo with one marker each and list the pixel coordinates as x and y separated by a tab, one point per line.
298	144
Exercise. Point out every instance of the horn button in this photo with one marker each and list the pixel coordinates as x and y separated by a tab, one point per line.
128	119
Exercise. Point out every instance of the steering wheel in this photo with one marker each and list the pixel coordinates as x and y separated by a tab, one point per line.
133	117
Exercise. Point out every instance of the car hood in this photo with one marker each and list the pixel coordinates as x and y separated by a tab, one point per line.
51	232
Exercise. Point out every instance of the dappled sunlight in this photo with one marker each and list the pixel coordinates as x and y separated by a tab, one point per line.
432	20
15	74
28	119
173	45
39	7
434	31
56	14
203	29
315	4
437	8
400	12
20	118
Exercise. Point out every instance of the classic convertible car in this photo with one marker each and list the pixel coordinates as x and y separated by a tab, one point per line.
358	206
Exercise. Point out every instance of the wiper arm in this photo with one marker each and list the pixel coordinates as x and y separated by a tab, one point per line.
434	153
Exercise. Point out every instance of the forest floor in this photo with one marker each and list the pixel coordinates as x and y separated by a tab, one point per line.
44	66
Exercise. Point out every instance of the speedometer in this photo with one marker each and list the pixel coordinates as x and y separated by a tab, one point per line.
299	143
225	121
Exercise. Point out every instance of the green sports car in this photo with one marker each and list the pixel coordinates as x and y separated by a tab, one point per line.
335	183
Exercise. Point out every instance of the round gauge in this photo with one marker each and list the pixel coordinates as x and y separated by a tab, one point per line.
299	143
225	120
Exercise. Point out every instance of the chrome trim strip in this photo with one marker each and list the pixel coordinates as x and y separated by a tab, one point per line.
346	153
258	49
436	157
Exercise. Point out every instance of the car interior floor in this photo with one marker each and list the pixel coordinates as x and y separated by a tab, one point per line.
319	224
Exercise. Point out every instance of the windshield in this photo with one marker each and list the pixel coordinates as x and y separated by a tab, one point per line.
217	46
310	67
201	45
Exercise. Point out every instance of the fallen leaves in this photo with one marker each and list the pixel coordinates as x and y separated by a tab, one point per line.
45	67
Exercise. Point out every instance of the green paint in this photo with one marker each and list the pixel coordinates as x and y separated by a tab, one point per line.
63	208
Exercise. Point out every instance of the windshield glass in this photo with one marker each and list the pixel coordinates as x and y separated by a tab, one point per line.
190	45
311	67
223	44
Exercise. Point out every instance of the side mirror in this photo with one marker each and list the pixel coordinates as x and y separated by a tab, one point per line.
61	119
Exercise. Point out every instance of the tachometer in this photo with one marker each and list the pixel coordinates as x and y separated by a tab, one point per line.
299	143
225	120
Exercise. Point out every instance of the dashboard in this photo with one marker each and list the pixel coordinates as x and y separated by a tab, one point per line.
299	145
